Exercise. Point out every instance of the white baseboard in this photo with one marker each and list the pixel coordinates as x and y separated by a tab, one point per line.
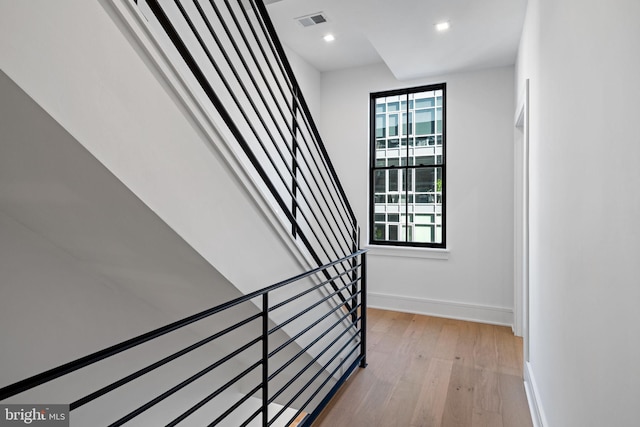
448	309
533	397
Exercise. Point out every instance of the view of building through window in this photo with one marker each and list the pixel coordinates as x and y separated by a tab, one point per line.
408	167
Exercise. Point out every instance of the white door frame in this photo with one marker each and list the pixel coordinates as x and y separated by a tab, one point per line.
521	222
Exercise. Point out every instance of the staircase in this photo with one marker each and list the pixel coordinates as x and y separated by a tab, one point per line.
216	97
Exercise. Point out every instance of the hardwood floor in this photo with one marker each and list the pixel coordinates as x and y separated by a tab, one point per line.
426	371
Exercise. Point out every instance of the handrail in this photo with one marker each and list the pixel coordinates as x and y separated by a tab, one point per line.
352	351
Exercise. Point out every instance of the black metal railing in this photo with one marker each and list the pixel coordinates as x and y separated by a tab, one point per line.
230	53
273	377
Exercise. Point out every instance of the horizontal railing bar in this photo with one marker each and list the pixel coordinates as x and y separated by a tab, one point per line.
251	417
324	367
131	415
311	417
309	364
307	291
315	341
234	406
51	374
213	395
306	310
336	292
80	402
308	328
307	274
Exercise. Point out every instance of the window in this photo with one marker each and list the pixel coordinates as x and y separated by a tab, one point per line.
407	167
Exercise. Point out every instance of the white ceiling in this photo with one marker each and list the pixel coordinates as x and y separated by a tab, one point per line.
401	33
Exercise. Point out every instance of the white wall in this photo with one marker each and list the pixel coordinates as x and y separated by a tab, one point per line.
309	80
582	62
476	281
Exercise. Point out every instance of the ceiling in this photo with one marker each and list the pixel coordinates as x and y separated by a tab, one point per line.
402	34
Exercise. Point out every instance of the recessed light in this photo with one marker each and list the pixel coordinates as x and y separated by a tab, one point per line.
329	38
442	26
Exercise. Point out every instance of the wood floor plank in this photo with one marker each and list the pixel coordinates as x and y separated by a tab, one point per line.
507	345
447	342
430	372
431	401
486	351
426	344
515	408
486	419
467	340
458	409
487	396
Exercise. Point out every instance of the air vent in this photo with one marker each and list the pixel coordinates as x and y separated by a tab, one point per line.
313	19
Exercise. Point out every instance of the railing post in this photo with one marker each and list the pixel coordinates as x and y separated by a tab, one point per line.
265	359
354	276
363	311
294	165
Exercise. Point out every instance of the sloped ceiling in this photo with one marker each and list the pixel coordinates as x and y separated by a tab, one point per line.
402	34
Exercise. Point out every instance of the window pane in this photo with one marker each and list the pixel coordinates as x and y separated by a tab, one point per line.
380	126
393	180
393	106
410	234
393	124
404	123
425	160
394	217
394	143
378	232
425	179
380	217
381	108
403	105
424	102
394	161
424	122
393	232
407	178
379	181
381	144
424	234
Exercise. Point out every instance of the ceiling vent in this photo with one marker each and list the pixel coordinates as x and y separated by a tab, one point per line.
313	19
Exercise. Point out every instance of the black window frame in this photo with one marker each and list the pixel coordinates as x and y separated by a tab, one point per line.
404	168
